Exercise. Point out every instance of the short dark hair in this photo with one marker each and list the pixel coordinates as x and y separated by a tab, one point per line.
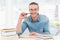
34	4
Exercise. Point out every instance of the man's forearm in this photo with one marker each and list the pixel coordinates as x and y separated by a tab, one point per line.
18	27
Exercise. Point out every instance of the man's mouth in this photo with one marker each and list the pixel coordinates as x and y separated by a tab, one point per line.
33	13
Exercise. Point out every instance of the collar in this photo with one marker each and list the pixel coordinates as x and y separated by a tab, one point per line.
37	19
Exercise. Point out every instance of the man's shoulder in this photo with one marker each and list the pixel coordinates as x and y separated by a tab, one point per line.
27	18
43	18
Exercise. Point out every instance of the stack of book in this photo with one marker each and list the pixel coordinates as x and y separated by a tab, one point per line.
8	31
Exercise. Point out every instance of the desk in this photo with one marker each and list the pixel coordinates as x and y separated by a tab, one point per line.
7	34
15	37
9	37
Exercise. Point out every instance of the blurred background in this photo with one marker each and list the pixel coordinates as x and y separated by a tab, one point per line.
10	10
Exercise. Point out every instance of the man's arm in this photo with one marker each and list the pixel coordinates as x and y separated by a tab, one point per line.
46	26
19	25
21	28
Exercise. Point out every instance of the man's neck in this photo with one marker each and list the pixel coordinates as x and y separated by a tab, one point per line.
35	18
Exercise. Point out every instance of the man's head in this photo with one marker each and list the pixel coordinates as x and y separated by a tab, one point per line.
33	9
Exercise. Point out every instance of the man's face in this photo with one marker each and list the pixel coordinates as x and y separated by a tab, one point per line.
33	10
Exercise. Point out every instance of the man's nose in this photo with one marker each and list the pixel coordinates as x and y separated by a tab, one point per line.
33	11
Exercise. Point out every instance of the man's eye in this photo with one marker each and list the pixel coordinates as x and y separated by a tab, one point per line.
31	9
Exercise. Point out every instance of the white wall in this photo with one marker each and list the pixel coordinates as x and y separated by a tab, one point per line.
10	10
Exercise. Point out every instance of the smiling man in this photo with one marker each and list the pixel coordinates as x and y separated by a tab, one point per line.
35	23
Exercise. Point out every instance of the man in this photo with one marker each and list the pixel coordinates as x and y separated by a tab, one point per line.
35	23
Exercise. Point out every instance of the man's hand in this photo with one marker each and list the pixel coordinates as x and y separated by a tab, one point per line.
33	34
22	16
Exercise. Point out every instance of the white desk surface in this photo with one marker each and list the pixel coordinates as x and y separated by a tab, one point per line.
15	37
